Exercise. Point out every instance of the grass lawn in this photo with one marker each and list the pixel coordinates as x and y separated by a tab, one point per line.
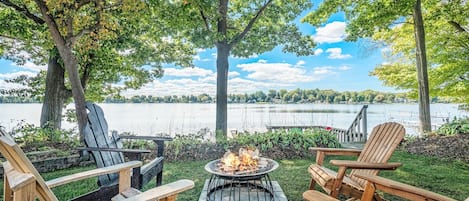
450	178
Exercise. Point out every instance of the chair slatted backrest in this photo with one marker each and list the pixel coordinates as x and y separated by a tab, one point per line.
18	160
383	140
96	135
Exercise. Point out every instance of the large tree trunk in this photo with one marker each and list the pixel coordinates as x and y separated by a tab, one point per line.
421	56
55	95
71	65
223	52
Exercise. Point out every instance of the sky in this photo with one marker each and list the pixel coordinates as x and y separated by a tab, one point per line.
336	65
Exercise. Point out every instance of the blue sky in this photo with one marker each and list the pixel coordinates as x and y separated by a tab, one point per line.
337	65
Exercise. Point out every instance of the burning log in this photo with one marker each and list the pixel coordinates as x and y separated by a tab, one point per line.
247	161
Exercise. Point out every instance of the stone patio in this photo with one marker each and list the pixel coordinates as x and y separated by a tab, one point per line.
278	194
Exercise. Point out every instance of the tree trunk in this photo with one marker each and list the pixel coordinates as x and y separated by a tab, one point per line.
71	65
424	97
77	89
55	94
223	52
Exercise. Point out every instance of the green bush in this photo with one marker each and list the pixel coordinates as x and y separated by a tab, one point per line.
30	135
454	127
293	138
291	143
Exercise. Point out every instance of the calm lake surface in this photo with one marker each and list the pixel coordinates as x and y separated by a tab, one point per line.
153	119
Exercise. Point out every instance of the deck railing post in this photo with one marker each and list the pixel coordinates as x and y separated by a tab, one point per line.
365	123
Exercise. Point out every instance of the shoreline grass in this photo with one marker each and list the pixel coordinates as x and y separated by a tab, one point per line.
441	176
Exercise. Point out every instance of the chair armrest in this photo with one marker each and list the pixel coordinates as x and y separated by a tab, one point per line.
158	140
138	137
321	153
364	165
164	191
337	151
17	180
401	189
144	151
92	173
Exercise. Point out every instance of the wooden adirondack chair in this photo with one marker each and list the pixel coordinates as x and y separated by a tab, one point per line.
108	151
385	185
382	142
22	182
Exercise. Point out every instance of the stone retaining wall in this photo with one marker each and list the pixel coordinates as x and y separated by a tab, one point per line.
55	163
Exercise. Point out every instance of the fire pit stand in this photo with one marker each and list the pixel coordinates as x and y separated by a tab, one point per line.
247	185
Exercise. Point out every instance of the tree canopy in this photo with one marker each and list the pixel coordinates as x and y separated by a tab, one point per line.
365	18
448	52
239	28
99	43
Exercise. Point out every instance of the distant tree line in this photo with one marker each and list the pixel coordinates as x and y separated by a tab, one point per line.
18	99
271	96
277	96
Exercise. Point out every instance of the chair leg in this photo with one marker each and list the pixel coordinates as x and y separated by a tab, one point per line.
159	178
312	184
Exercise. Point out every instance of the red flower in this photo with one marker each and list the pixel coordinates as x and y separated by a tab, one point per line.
328	128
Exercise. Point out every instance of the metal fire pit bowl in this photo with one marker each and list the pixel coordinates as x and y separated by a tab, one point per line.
241	185
213	167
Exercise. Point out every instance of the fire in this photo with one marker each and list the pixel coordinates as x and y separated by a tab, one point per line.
247	159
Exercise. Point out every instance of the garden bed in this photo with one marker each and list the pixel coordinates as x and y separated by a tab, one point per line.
455	147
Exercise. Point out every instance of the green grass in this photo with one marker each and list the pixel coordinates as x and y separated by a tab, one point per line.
450	178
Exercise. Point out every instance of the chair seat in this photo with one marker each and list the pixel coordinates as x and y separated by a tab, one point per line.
313	195
325	177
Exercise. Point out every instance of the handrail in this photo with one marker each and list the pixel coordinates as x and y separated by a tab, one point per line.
357	132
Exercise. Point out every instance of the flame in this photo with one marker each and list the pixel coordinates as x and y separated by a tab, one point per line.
247	159
230	161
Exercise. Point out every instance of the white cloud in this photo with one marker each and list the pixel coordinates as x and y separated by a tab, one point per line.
206	85
331	33
318	51
325	70
31	66
187	72
239	85
7	86
174	87
300	63
8	76
336	53
233	74
275	72
345	67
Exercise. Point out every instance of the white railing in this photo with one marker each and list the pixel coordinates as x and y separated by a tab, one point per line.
357	132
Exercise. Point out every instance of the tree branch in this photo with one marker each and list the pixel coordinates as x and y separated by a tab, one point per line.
93	28
204	18
49	20
240	36
23	10
121	2
457	26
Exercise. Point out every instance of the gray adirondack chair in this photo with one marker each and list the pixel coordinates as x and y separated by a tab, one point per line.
108	150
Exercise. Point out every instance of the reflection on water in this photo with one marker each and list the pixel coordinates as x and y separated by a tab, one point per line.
189	118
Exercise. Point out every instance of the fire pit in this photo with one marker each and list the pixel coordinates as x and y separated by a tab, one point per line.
243	177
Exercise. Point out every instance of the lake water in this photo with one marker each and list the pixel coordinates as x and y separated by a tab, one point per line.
153	119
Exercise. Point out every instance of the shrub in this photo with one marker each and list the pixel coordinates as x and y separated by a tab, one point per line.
31	136
454	127
293	138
